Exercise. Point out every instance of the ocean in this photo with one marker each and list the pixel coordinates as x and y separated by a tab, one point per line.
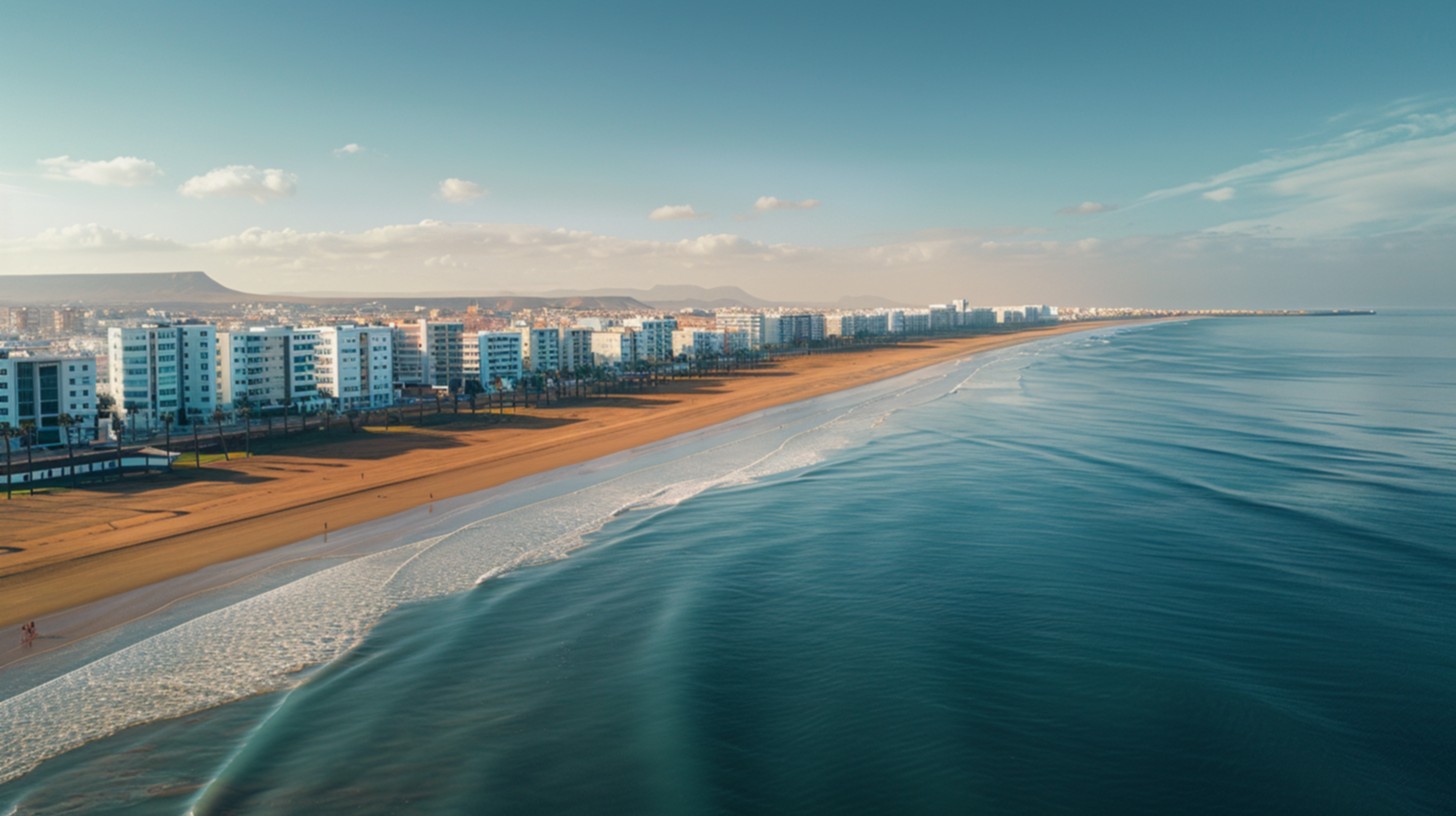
1196	567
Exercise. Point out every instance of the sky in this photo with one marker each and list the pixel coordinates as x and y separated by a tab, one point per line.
1295	154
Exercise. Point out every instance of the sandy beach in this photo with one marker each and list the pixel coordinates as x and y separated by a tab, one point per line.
77	547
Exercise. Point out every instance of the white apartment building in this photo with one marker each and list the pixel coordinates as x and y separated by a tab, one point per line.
430	353
576	349
541	348
856	324
617	347
38	387
943	317
916	321
751	323
163	368
979	317
353	365
697	342
501	359
654	336
268	366
792	328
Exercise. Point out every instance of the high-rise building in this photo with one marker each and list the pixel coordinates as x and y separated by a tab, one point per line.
268	366
501	359
654	336
430	353
751	323
354	364
576	348
163	368
39	387
792	328
617	346
541	348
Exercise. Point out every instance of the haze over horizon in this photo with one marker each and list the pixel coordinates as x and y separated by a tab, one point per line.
1239	156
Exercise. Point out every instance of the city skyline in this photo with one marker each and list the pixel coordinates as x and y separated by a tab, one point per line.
1058	153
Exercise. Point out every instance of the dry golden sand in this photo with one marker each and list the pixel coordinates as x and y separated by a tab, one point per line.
84	545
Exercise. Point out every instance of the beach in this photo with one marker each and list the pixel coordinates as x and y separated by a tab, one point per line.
79	547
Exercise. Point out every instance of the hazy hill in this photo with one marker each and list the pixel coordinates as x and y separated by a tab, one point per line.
141	287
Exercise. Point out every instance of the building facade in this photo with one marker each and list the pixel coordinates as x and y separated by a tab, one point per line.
40	388
267	366
501	359
576	349
541	348
616	347
751	323
654	336
354	365
431	353
163	368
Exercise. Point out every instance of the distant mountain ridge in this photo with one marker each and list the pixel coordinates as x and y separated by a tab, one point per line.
199	288
121	289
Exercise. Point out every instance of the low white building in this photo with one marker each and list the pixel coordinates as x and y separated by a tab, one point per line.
40	387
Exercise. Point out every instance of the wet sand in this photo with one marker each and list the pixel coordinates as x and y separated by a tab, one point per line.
79	547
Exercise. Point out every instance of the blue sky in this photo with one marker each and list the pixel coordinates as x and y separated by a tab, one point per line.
1146	153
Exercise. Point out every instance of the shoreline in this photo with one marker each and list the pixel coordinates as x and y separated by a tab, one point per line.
87	580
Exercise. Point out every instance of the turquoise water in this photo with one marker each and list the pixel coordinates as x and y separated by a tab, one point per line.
1203	567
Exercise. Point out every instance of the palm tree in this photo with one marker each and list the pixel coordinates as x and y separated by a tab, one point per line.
27	429
196	441
131	408
218	416
6	434
167	420
243	407
67	423
118	427
287	403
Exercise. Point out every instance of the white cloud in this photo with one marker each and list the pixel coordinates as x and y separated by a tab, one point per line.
459	191
1087	208
1404	127
1396	187
89	238
766	203
241	181
718	244
122	171
673	212
350	149
1221	194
